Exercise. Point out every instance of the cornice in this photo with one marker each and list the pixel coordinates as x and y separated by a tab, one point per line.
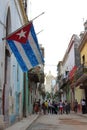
83	41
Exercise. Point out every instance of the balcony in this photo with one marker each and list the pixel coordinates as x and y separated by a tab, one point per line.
82	70
81	74
63	82
36	75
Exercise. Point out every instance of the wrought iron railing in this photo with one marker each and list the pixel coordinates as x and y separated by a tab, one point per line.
63	81
82	69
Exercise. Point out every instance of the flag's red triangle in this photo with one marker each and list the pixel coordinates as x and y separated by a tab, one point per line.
21	35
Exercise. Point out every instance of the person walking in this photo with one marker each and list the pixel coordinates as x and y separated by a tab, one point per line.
75	106
64	110
49	107
46	106
54	107
66	107
60	107
36	107
69	107
83	103
39	105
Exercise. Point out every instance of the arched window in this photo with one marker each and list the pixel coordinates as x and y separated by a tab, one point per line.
7	68
7	49
8	31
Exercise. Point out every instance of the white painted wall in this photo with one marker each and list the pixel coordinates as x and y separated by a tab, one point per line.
16	22
70	62
70	58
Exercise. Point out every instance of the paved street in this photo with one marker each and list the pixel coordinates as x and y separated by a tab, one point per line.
60	122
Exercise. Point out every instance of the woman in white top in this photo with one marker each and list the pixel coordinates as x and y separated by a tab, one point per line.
61	107
83	103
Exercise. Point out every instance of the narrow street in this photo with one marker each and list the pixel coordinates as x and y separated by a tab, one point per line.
60	122
43	65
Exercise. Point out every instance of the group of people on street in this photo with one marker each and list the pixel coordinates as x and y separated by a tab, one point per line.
51	107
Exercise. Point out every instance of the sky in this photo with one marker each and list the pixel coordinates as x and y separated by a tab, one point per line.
54	29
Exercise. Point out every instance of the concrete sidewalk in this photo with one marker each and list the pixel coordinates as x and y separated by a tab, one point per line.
24	123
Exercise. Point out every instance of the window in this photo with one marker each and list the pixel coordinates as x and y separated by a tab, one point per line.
83	59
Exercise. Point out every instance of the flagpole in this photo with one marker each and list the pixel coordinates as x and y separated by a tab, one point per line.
24	25
39	32
37	16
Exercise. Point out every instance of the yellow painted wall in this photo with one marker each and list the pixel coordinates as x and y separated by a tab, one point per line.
84	52
79	94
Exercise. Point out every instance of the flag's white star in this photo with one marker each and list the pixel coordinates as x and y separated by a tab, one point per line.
21	34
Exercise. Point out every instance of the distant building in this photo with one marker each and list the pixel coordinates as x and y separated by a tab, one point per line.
49	82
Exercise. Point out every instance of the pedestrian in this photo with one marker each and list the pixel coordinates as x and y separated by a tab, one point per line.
39	105
75	106
69	107
60	107
36	107
44	108
54	107
66	107
83	103
49	107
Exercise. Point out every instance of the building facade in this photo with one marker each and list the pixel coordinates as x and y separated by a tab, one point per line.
48	82
11	80
69	63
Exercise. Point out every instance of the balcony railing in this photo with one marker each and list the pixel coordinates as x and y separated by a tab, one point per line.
80	72
36	76
82	69
63	81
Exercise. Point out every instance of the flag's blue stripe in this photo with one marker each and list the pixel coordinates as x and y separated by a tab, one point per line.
36	41
17	55
30	54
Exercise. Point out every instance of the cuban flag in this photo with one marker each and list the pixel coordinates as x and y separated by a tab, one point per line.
24	45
